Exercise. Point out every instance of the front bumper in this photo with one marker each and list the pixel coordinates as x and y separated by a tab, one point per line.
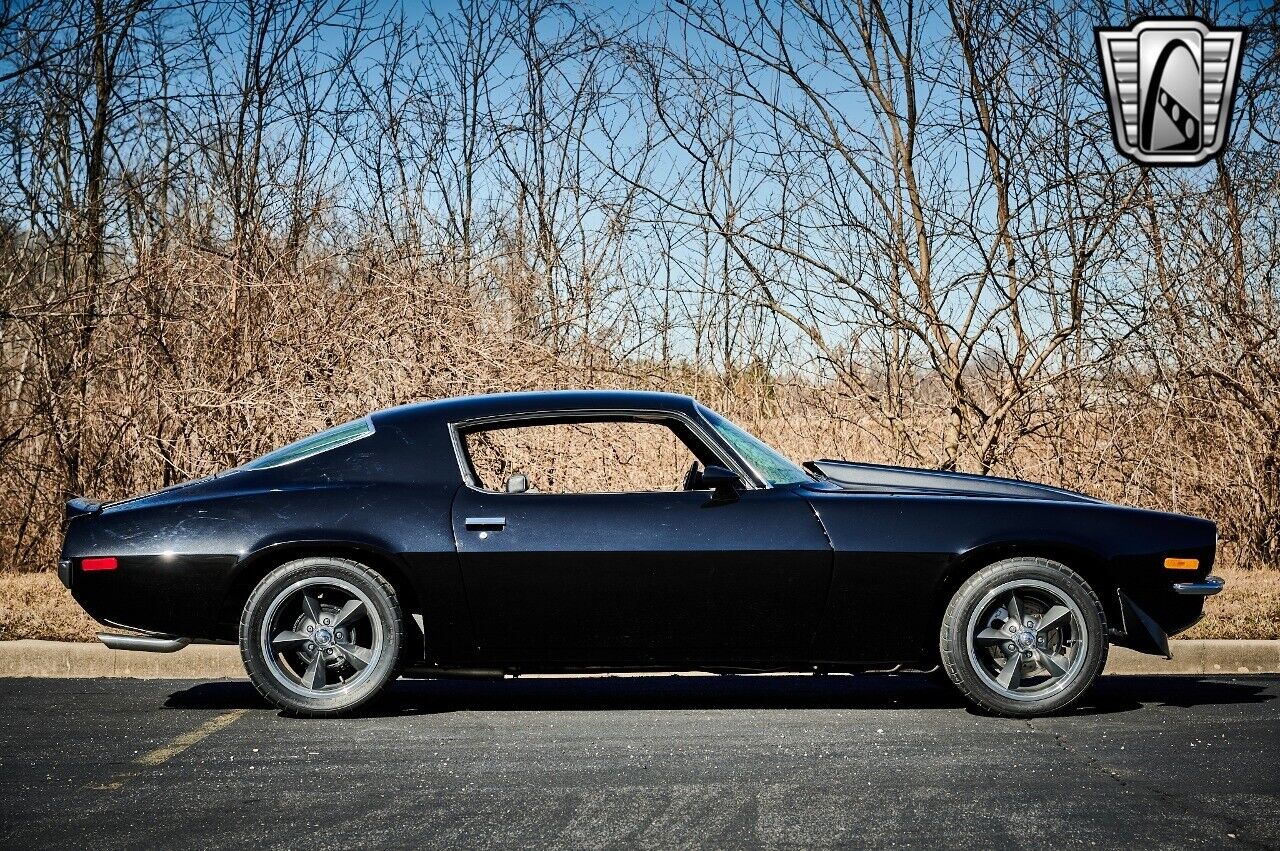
1207	587
1146	627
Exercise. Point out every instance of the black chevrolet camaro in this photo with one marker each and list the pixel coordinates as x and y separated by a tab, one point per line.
377	549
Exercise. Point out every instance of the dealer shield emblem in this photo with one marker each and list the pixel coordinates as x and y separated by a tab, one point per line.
1170	83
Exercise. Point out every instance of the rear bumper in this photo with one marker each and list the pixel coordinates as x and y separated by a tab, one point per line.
1207	587
158	594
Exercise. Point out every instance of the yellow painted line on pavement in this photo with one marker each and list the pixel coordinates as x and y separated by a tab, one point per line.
163	754
186	740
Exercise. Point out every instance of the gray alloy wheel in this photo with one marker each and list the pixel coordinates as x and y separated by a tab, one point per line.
1024	637
321	636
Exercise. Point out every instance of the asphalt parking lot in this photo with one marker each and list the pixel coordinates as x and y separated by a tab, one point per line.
658	762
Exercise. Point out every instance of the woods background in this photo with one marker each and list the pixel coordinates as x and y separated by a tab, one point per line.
890	231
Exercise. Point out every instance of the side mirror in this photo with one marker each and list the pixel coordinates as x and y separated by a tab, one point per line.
519	483
722	480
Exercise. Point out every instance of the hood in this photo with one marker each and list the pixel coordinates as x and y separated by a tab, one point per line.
878	478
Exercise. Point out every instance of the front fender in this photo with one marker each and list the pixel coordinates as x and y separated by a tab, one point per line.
898	559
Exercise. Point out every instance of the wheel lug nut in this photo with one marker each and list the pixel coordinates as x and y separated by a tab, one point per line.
310	646
311	628
326	621
329	651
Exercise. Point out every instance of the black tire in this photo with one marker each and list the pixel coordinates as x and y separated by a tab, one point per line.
976	661
359	672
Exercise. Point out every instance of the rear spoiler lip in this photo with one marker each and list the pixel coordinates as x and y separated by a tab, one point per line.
81	506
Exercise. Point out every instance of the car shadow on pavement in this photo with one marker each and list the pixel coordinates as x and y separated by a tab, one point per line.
883	691
1184	691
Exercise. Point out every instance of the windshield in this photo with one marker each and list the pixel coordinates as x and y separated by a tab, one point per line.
313	445
772	467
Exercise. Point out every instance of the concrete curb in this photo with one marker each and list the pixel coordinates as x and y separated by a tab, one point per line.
1203	656
29	658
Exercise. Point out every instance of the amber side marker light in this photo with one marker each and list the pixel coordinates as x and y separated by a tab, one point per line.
108	563
1181	563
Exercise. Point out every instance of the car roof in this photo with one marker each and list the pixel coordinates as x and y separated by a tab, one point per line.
462	408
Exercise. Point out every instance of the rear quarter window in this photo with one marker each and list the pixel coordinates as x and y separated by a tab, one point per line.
314	445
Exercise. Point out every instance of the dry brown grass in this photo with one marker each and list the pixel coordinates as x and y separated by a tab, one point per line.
1249	607
35	605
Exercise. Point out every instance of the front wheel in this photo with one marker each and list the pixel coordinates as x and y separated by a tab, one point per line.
321	636
1024	637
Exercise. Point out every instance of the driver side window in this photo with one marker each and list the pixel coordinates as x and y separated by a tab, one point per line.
579	457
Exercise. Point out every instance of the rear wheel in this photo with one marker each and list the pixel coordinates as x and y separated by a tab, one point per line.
1024	637
321	636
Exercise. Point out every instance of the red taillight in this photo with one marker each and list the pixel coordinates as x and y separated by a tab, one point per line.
108	563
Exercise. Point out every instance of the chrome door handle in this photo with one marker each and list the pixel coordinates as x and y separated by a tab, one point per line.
486	524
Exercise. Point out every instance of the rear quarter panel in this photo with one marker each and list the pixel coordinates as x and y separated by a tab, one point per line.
179	560
181	551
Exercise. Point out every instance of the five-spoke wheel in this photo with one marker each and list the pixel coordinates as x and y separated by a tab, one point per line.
321	635
1027	639
1024	636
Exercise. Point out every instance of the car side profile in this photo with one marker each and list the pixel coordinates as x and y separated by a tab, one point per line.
433	540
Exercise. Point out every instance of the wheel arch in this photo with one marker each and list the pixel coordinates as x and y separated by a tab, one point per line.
1090	564
254	567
